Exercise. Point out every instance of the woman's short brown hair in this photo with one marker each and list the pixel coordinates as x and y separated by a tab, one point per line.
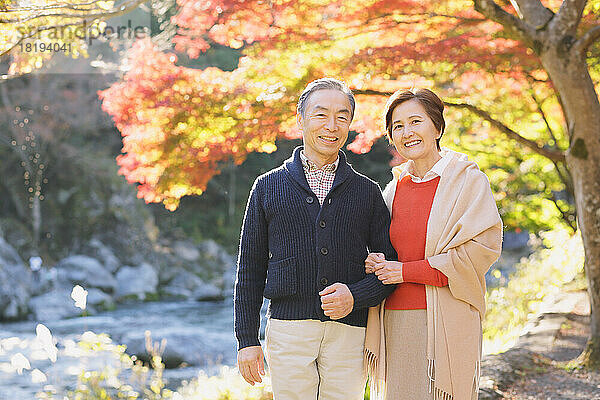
433	105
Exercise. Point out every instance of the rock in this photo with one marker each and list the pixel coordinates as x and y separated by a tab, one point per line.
183	284
207	291
168	269
99	299
229	280
54	305
85	271
186	251
208	261
183	345
103	253
212	251
44	280
186	284
8	254
136	282
218	264
15	283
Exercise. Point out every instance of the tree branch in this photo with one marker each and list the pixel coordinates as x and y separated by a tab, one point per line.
371	92
538	103
516	27
583	44
565	178
544	151
84	20
568	17
534	12
84	14
55	6
5	77
567	216
551	154
463	19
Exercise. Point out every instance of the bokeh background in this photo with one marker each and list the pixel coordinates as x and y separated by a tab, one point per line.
131	133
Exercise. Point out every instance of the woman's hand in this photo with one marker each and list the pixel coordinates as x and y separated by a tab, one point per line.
389	272
373	259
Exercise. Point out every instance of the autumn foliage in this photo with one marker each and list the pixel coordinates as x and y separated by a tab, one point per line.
179	124
34	31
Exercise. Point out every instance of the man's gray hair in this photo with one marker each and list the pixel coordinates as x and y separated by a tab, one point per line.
325	84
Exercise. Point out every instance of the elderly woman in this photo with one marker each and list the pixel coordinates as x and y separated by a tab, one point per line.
424	340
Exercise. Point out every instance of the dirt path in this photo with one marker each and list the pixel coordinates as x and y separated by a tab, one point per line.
546	375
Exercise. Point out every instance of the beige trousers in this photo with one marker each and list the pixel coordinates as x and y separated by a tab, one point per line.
406	355
310	360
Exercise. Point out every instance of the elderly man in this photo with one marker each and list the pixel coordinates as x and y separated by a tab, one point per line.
308	228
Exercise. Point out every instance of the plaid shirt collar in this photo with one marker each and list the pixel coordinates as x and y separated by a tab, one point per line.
311	166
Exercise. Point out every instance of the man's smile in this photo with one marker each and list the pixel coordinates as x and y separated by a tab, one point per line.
329	139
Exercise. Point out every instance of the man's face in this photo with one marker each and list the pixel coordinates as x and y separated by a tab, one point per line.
325	125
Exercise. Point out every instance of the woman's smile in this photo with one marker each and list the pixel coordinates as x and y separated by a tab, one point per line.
413	143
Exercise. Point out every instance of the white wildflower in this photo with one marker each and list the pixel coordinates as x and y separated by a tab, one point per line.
79	294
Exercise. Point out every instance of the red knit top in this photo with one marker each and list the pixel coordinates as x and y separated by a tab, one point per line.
408	233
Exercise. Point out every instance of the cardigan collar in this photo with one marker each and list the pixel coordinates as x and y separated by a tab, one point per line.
296	170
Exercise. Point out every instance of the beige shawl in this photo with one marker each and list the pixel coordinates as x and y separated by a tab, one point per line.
464	238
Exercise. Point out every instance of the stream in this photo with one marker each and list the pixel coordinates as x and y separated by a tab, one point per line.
202	331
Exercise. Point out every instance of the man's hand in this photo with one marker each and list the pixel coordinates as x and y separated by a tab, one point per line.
373	259
389	272
250	364
336	300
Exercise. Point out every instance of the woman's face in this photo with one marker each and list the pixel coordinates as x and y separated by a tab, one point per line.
413	132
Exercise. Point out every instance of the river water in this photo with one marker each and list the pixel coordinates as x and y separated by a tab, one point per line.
202	327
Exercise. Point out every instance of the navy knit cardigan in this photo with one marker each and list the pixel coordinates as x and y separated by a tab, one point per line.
291	247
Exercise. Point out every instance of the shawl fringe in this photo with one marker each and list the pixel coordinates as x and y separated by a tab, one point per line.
377	386
431	373
370	362
477	375
439	394
374	352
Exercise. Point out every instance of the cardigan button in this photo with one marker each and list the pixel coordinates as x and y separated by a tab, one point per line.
324	281
270	255
309	200
322	224
324	251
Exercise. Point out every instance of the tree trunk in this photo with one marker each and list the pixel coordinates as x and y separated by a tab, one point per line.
231	194
36	222
570	76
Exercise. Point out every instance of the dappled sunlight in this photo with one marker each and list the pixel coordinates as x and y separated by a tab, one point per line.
532	287
228	384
